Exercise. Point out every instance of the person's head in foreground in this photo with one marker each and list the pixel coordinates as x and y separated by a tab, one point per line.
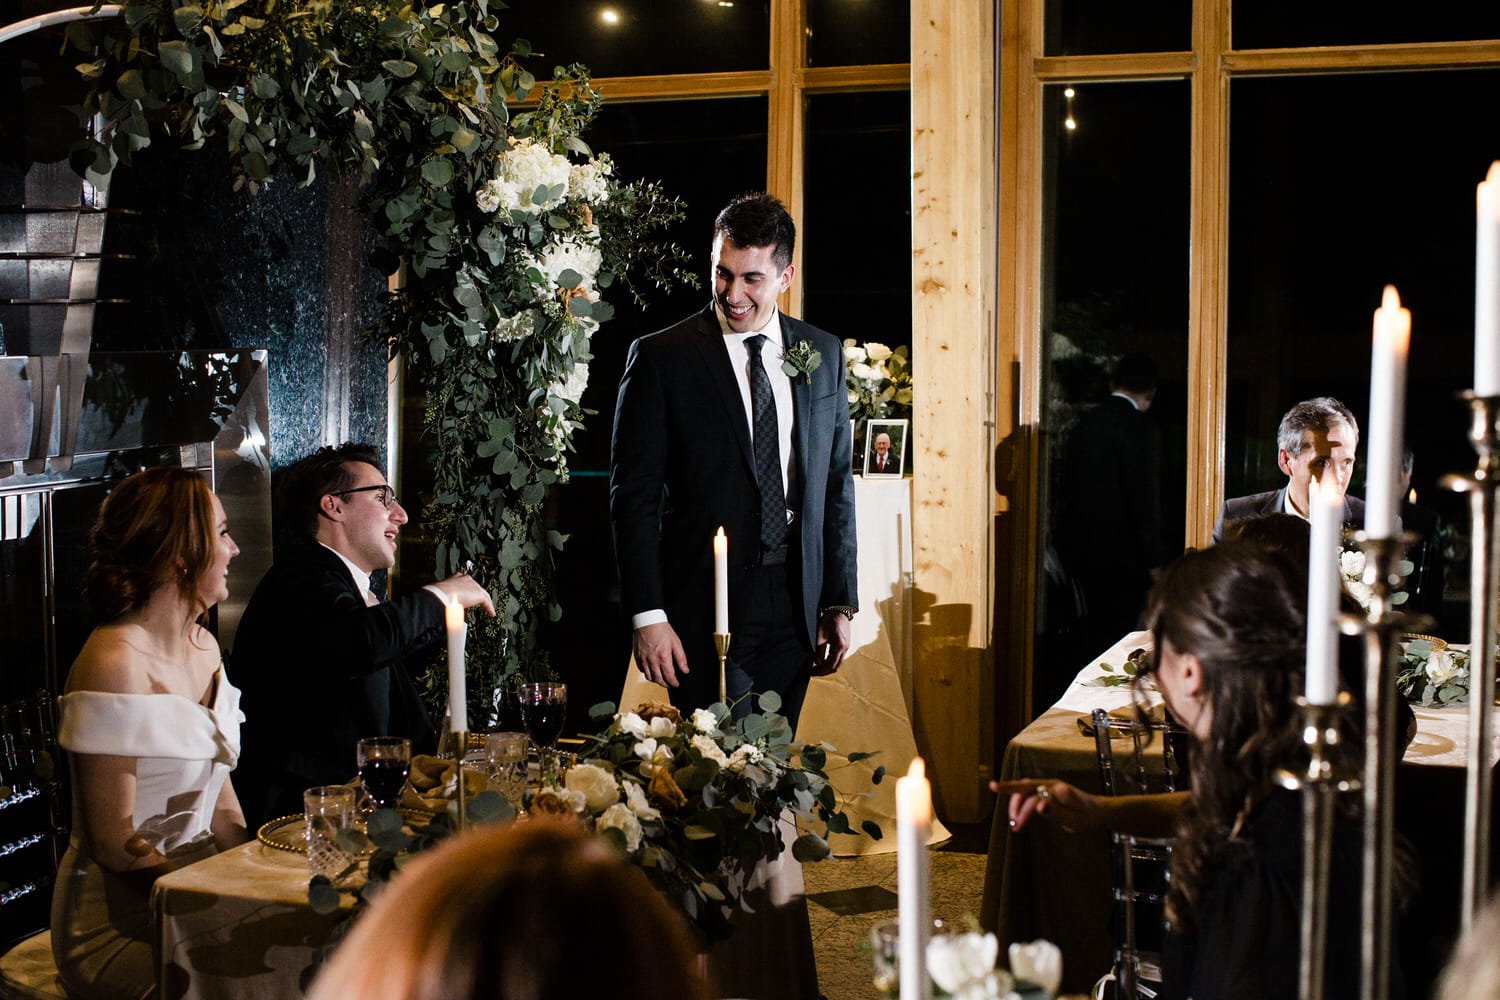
1229	635
538	910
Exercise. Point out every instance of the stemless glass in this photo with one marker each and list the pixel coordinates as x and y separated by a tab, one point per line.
544	707
506	753
384	762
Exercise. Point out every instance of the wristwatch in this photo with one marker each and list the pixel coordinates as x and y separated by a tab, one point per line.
847	610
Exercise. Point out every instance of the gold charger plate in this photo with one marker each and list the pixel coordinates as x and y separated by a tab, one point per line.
287	833
1431	640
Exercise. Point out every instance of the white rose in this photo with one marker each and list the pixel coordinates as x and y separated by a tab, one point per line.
574	799
619	817
488	196
956	961
652	752
877	352
744	754
595	784
853	353
862	371
1038	962
662	727
634	725
1442	668
636	801
705	721
708	748
1352	564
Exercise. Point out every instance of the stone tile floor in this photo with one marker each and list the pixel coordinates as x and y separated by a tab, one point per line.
848	896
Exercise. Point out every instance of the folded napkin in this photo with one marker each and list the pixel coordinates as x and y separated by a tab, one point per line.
433	781
1125	713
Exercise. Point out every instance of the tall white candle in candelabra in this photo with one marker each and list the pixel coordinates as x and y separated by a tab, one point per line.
1325	509
721	582
458	699
913	887
1387	413
1487	286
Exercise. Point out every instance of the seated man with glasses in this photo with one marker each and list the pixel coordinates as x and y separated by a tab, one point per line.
320	657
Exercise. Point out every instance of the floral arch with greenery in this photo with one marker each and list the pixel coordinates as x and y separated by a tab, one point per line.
504	242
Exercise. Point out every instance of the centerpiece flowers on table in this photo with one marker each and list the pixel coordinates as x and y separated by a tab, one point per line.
1352	569
1433	675
699	801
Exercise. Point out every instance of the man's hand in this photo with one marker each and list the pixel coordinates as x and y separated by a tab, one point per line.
833	643
466	592
658	654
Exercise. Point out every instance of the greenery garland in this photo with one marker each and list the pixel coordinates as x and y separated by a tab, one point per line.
504	242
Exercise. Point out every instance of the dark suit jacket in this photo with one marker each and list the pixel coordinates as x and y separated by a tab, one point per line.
1426	581
1274	502
318	670
681	465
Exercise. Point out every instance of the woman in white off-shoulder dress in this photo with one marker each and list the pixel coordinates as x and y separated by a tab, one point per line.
151	725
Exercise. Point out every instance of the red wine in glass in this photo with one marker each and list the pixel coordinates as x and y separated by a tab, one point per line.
544	706
384	762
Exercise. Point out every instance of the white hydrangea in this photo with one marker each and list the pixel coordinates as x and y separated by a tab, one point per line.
578	255
523	324
526	166
745	754
590	181
571	389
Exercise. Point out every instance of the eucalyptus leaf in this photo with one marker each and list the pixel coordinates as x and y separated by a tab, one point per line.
177	57
402	69
809	848
438	172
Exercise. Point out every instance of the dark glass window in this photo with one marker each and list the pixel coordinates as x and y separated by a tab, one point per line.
643	37
1100	27
1339	186
1289	23
858	32
856	216
1115	282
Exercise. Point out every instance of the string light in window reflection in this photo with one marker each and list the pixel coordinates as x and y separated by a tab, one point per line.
1069	122
609	16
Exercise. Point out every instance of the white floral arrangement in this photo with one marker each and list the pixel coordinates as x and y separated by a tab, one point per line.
962	966
1352	568
878	380
698	801
545	235
1432	674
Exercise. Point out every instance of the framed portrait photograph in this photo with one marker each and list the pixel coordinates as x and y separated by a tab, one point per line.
885	449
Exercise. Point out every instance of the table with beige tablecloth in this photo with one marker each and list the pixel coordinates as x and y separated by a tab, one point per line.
1048	883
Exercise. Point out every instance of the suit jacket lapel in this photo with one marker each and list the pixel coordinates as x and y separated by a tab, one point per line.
721	375
801	407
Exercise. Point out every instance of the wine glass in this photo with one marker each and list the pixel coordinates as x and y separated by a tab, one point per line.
384	762
544	708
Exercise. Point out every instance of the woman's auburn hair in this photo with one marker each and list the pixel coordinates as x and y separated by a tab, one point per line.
154	529
539	910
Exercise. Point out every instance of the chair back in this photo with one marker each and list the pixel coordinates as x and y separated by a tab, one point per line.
33	815
1139	864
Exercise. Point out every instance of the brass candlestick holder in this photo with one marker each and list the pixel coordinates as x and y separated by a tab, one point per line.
1483	566
721	643
1321	780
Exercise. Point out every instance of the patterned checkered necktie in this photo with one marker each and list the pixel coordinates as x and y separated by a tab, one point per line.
767	441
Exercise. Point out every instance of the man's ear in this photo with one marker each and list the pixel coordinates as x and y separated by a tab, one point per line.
1284	461
329	507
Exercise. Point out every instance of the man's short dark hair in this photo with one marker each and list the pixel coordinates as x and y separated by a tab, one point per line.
1313	415
306	482
759	220
1134	373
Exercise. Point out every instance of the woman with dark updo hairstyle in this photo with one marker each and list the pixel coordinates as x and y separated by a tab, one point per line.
151	725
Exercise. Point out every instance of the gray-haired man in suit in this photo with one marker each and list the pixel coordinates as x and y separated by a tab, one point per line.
1314	436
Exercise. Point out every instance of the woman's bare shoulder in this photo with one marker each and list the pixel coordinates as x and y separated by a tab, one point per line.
111	661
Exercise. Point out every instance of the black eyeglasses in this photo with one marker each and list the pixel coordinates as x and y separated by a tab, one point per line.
384	494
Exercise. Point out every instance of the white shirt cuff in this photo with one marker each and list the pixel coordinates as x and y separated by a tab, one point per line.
437	591
653	617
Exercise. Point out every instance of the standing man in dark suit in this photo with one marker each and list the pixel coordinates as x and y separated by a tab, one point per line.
1315	435
1109	531
737	416
320	659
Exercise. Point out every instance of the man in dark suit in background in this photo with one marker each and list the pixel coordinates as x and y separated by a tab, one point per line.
737	416
1314	435
1109	533
1425	584
320	659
